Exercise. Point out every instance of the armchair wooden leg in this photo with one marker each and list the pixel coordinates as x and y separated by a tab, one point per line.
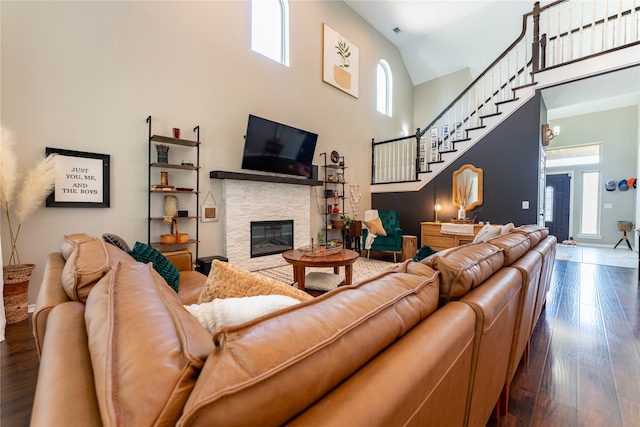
394	256
368	252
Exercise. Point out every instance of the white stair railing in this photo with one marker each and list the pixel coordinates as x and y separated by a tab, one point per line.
554	35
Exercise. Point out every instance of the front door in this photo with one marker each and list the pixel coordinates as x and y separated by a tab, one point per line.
557	198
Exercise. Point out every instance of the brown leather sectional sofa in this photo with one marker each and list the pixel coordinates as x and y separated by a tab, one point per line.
429	343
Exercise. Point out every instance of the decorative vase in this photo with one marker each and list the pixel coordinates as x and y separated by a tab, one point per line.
342	77
336	209
16	291
462	214
163	153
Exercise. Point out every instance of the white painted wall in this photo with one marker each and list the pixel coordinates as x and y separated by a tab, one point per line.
85	75
432	97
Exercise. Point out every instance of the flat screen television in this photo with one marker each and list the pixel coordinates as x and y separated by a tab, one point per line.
273	147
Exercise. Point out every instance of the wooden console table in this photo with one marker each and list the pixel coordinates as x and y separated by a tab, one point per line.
431	236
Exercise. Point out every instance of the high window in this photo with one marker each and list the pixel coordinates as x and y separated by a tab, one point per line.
270	29
571	156
385	88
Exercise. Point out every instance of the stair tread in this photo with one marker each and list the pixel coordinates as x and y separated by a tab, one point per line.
506	101
524	86
490	115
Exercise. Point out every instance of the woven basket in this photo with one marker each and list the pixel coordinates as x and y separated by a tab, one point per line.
337	224
625	225
319	250
16	291
174	237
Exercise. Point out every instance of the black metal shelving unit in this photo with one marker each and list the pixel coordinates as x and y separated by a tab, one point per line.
194	193
335	186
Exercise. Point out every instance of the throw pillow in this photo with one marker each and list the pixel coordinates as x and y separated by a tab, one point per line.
86	264
321	281
233	311
116	241
145	253
424	252
507	228
487	233
226	280
375	227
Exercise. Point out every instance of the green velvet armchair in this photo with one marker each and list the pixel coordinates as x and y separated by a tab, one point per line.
393	240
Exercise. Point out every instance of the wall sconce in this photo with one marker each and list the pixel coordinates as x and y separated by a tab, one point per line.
437	207
547	134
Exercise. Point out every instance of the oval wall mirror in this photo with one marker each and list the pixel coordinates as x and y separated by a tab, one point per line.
467	187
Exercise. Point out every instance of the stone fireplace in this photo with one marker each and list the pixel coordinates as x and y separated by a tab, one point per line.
246	201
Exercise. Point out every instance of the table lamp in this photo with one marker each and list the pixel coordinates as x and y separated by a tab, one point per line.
437	207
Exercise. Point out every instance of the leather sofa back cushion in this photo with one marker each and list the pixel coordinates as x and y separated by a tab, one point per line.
268	370
146	349
534	232
88	262
464	267
514	245
70	241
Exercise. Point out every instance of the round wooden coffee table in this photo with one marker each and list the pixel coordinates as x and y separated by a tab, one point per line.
300	261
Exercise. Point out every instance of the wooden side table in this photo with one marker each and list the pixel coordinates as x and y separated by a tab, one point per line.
409	247
352	236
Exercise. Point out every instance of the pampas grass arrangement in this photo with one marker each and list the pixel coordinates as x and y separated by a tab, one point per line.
22	200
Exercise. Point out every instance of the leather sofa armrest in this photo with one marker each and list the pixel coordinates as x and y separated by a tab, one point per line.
65	392
50	295
182	259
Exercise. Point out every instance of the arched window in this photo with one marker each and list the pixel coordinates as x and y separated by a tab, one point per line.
270	29
385	88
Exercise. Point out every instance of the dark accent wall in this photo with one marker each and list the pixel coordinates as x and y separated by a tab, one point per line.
508	155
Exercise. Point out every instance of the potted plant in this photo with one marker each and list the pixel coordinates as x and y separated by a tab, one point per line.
340	72
18	204
347	220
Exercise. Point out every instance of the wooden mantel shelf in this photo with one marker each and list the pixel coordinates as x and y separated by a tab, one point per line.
262	178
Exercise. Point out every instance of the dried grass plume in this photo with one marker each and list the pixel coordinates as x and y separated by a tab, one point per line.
8	167
36	186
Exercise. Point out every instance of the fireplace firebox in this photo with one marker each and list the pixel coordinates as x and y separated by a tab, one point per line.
271	237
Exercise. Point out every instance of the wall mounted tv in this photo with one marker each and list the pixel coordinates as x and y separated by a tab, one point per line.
273	147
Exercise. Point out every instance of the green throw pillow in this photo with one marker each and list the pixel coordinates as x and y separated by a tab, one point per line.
424	252
145	253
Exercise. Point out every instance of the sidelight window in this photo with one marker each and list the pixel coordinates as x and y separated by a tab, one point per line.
589	224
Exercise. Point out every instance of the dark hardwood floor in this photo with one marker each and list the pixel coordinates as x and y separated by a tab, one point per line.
583	369
584	363
19	361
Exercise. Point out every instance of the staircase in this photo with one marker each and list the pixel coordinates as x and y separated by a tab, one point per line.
559	43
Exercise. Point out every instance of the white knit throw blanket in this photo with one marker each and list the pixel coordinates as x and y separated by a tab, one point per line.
458	229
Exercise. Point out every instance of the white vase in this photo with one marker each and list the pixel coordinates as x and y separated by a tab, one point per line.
462	214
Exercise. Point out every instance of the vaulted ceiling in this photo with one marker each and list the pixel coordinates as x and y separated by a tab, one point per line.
438	37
